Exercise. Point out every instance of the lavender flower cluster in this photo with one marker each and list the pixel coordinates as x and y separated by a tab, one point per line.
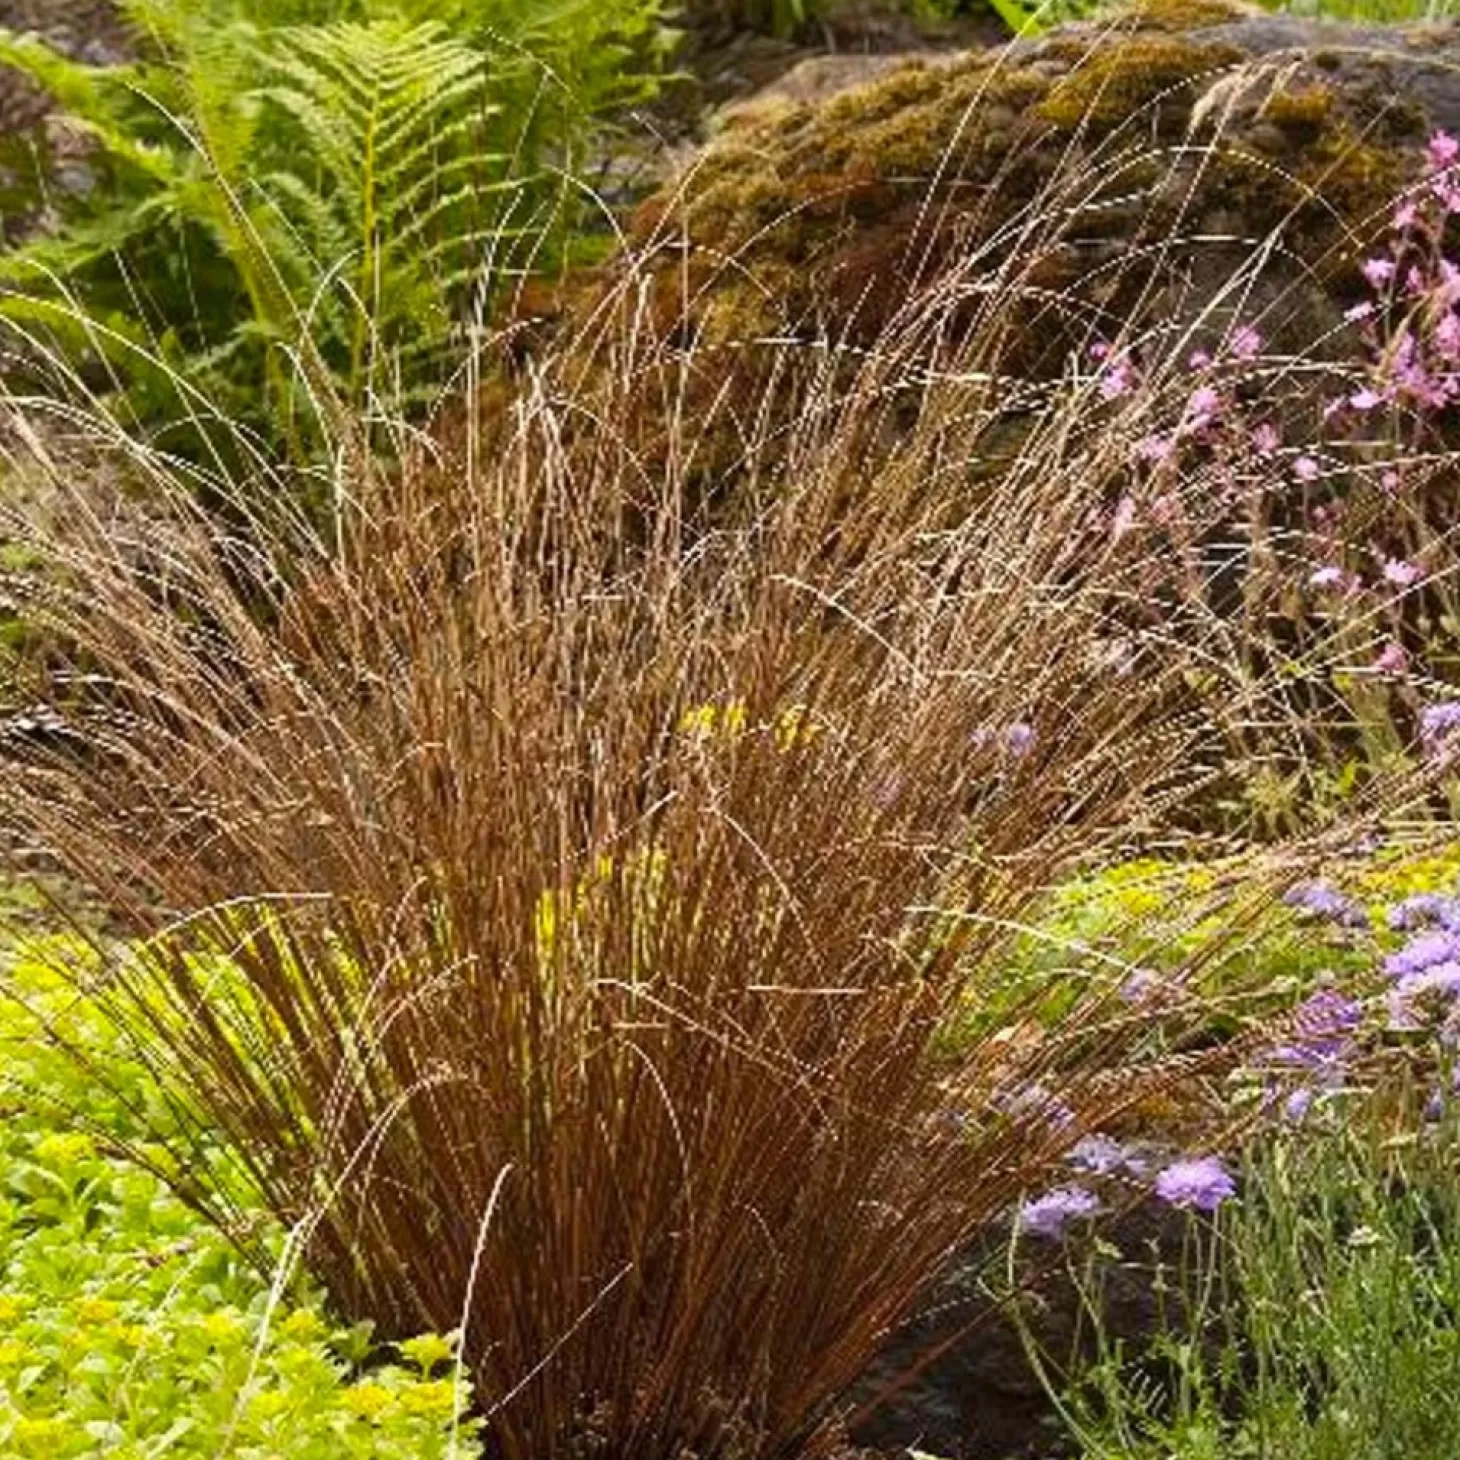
1313	1061
1191	1183
1421	992
1425	971
1327	902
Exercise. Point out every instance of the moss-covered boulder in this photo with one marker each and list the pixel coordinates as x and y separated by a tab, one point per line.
1196	128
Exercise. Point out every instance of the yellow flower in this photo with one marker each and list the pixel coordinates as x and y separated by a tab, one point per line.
129	1335
427	1351
367	1401
64	1148
795	727
221	1327
95	1310
304	1325
706	720
435	1398
40	1437
11	1307
13	1353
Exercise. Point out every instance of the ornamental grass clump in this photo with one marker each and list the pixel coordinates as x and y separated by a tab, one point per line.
553	896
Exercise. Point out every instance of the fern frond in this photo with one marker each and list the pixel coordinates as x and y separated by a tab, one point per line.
390	123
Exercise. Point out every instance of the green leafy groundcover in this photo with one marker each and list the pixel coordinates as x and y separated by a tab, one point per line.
130	1328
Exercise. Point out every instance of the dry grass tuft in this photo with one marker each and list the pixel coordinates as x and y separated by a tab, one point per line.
554	894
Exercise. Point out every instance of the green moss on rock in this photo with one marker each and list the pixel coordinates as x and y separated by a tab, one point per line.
1126	78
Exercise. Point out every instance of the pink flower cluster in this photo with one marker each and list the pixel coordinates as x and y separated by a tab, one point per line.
1412	323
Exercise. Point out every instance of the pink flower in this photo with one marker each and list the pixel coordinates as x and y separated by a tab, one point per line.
1404	216
1199	359
1447	336
1401	573
1116	381
1359	311
1365	399
1099	350
1390	481
1123	518
1265	439
1203	407
1378	271
1328	576
1442	150
1306	469
1155	448
1245	343
1391	659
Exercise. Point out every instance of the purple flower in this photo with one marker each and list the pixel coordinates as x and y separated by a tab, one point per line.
1401	573
1442	979
1200	1183
1203	407
1447	336
1365	399
1155	448
1324	901
1139	986
1417	996
1296	1106
1422	909
1391	659
1019	738
1050	1214
1328	576
1265	438
1116	381
1322	1030
1099	1155
1442	149
1326	1015
1306	469
1034	1101
1437	727
1123	518
1423	951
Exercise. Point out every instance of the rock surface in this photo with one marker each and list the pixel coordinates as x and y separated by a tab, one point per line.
86	30
979	1398
1187	117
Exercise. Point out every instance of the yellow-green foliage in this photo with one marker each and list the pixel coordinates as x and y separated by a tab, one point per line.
128	1326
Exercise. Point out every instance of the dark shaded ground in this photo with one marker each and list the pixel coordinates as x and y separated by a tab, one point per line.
980	1398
